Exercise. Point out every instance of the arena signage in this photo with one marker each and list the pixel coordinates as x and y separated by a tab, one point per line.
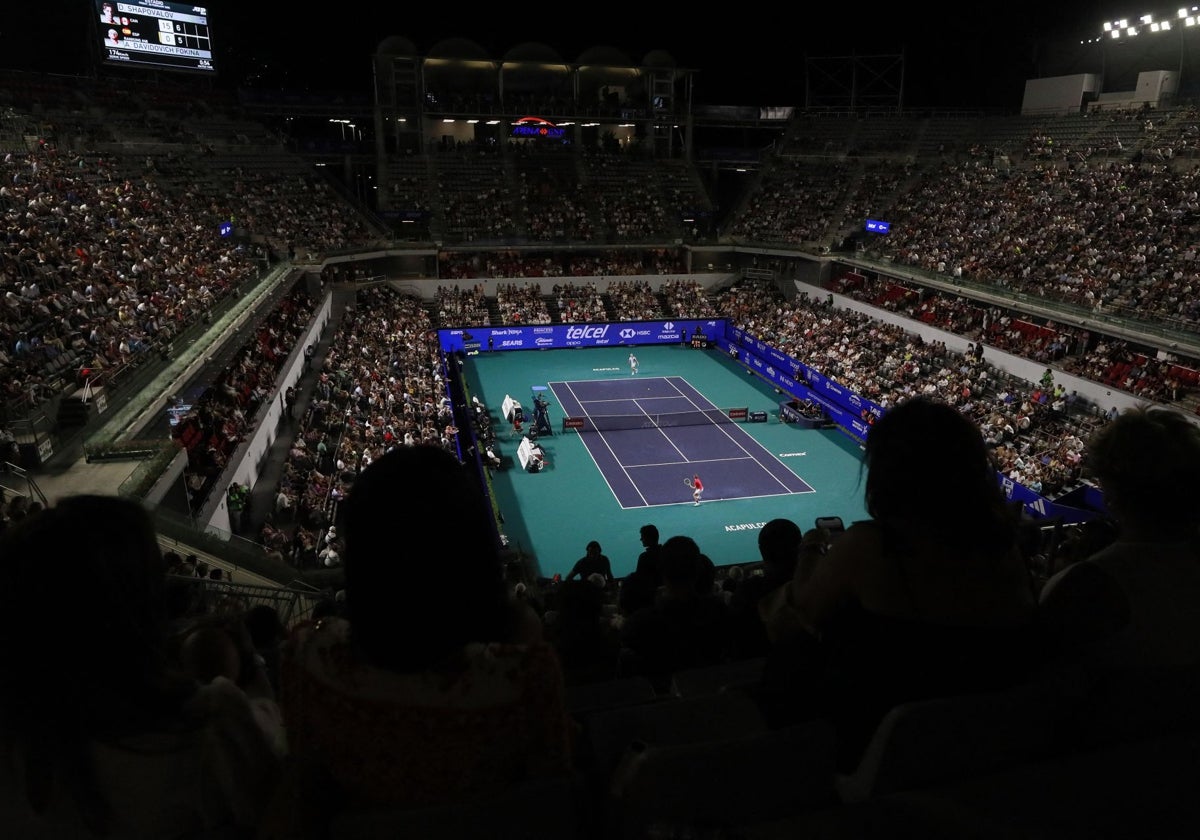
537	128
546	337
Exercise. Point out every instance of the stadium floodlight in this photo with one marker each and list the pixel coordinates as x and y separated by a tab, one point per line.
472	122
493	122
448	119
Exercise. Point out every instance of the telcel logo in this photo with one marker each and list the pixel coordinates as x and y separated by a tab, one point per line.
587	332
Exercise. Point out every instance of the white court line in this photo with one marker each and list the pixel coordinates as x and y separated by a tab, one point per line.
736	442
599	469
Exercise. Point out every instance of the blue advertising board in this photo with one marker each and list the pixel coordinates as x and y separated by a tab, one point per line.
557	336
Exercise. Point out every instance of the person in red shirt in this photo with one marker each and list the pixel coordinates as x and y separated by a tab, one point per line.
697	489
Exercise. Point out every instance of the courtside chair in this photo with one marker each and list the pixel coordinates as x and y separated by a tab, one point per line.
682	790
531	810
613	733
710	679
929	742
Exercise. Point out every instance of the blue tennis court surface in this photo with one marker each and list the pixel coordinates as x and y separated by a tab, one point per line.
645	466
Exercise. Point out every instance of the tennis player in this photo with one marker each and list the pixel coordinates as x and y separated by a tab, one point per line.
697	489
633	365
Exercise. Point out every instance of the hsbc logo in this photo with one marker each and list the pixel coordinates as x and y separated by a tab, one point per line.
627	333
587	332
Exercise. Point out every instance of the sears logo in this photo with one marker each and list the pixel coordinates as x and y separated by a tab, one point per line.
627	333
544	342
587	332
512	342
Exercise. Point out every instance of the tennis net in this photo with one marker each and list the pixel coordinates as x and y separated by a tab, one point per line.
667	420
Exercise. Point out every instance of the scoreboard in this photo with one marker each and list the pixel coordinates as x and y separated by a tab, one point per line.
154	34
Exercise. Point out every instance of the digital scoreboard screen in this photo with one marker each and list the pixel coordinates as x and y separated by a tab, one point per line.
154	34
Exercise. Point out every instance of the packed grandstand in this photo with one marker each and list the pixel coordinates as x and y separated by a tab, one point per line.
1040	274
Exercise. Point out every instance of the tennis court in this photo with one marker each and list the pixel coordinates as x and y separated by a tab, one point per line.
646	435
552	514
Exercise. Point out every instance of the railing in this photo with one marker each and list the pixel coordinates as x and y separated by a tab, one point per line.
18	480
216	597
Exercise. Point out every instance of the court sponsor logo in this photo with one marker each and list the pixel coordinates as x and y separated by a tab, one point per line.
792	454
543	342
543	330
601	370
587	331
745	526
669	326
627	333
512	342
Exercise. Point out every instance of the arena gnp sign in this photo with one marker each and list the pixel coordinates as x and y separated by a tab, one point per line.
537	128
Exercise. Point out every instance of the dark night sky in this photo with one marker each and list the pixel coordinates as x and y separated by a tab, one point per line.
979	55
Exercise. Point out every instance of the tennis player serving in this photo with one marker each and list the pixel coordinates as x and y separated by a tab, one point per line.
697	488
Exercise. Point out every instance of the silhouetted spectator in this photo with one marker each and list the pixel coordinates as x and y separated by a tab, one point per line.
906	605
102	736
